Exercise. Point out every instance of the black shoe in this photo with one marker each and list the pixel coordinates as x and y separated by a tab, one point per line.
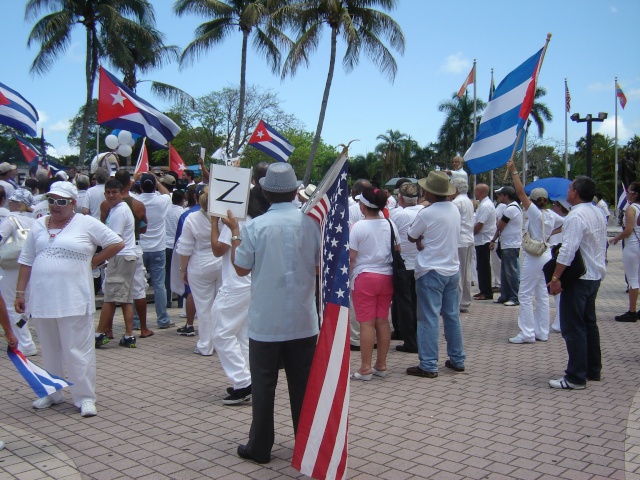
396	335
243	453
354	348
418	372
230	390
593	378
186	331
128	342
450	365
101	340
627	317
405	349
238	397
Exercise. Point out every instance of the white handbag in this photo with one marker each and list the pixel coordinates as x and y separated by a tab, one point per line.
534	247
10	250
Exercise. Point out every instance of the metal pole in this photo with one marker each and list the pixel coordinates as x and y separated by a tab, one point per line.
589	147
615	178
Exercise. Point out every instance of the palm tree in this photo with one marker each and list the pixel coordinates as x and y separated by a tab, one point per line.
101	19
362	28
539	111
456	133
392	149
225	17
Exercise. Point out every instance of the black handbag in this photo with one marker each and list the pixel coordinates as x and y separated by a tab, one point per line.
399	268
572	273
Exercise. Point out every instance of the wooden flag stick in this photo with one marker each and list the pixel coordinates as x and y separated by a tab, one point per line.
513	153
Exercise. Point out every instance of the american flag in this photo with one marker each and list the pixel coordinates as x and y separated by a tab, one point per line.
567	97
320	449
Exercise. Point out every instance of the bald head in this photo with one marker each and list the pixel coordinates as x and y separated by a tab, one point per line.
359	186
481	191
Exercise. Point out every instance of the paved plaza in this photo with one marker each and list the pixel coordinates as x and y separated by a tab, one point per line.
160	414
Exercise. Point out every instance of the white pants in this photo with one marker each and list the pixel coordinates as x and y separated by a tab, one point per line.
230	314
465	255
631	264
556	322
205	284
68	344
139	285
533	320
8	282
496	264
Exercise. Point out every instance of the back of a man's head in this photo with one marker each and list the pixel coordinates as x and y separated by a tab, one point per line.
585	187
123	176
101	175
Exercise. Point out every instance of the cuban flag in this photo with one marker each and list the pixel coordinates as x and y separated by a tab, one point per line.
31	155
320	449
41	381
119	107
17	112
505	116
267	139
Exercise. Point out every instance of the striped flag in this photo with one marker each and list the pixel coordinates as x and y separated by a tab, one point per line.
266	139
320	449
119	107
31	155
504	117
492	87
176	164
142	166
469	80
41	381
621	96
567	97
17	112
622	199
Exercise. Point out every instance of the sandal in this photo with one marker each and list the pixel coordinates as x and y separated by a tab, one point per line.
380	373
358	376
483	297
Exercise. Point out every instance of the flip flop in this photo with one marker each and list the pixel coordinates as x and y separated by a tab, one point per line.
150	334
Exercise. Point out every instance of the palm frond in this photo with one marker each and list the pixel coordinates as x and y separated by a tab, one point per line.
53	32
172	94
207	35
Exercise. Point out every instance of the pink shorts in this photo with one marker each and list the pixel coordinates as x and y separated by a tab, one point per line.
371	296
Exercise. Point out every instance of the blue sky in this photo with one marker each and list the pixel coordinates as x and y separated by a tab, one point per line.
593	42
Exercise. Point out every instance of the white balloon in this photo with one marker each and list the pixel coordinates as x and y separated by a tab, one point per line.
124	150
111	141
132	142
124	137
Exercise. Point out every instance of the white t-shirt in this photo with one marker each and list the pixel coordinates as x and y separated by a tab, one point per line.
535	217
41	209
120	221
403	220
439	227
460	173
231	282
157	206
4	213
558	221
171	224
465	207
486	215
195	242
602	205
355	215
8	188
93	199
511	235
372	240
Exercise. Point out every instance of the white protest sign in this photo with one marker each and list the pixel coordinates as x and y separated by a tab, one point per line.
202	150
229	190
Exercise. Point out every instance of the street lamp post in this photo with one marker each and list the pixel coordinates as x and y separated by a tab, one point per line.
602	116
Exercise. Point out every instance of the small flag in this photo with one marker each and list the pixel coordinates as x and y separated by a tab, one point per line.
176	163
268	140
119	107
622	199
467	82
320	449
31	155
142	166
567	97
41	381
620	96
492	87
504	118
17	112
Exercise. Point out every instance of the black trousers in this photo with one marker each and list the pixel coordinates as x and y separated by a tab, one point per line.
405	305
264	358
483	265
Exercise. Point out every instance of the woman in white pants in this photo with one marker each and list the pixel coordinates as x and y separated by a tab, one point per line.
533	320
201	270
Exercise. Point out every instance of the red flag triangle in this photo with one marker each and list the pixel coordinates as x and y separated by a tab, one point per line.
176	163
261	134
4	100
112	101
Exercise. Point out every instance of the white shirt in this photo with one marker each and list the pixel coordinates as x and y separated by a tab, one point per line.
585	228
460	173
486	215
157	206
511	235
4	213
41	209
465	207
633	238
558	221
535	219
439	227
120	221
231	282
8	188
355	215
602	205
403	220
80	200
92	200
171	224
372	240
195	242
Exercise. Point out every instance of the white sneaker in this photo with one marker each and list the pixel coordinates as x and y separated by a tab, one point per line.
1	444
510	303
46	402
88	409
563	384
31	352
183	315
554	329
540	339
519	340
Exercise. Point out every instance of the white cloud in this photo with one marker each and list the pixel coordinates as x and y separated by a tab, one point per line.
633	93
42	116
599	87
608	127
59	126
62	150
456	63
613	9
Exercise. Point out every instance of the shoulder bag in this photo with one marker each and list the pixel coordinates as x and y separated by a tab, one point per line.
399	268
10	250
572	273
534	247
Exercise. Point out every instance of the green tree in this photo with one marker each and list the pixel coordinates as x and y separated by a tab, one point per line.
540	113
74	138
225	17
392	150
602	159
456	134
101	19
629	159
362	27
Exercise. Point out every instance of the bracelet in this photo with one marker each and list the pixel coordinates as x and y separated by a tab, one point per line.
19	291
236	237
514	173
183	269
555	279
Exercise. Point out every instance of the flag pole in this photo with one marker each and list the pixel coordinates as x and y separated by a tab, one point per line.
566	130
513	153
97	125
490	98
615	178
475	127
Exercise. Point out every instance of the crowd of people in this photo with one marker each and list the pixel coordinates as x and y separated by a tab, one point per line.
125	234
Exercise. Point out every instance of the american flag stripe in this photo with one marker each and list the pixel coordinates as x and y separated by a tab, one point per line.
321	209
567	98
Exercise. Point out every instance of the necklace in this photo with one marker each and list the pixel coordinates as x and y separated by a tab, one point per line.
53	235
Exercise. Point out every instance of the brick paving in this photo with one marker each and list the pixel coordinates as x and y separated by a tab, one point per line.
160	414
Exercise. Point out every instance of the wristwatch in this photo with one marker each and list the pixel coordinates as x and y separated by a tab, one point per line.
236	237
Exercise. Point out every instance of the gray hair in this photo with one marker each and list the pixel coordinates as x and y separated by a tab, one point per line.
410	201
101	175
461	185
82	182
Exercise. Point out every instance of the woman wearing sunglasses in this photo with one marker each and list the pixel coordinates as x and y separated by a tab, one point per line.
60	251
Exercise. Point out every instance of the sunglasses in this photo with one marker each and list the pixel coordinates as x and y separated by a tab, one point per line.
61	202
